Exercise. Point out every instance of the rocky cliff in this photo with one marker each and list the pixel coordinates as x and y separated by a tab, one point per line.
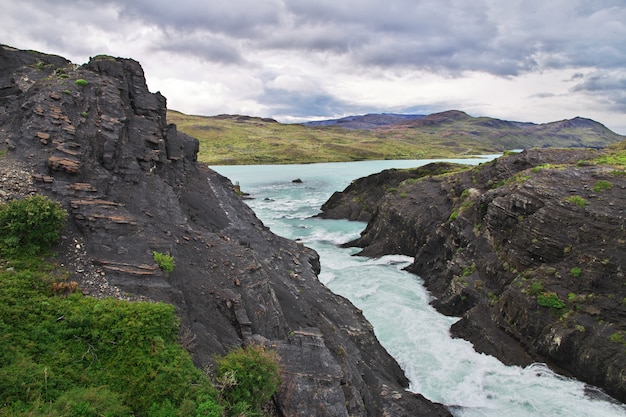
529	249
94	138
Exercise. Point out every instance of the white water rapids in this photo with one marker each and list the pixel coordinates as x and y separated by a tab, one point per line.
439	367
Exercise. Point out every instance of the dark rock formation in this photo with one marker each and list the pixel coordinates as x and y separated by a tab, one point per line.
359	200
132	186
529	249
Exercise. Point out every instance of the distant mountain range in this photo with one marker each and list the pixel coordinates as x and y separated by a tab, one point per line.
486	131
368	121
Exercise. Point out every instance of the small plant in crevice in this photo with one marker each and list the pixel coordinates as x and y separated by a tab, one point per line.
81	82
164	260
576	271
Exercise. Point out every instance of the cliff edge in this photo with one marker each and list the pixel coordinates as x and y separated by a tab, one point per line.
95	139
529	249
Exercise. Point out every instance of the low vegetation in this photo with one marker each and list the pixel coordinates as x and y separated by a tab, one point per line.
65	354
616	157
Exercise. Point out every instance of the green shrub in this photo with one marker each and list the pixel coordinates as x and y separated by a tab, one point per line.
550	299
164	260
576	271
30	225
251	376
81	82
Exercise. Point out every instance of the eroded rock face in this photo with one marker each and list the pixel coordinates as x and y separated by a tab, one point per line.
530	249
131	185
359	200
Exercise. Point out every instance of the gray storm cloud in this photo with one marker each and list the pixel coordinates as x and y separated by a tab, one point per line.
322	38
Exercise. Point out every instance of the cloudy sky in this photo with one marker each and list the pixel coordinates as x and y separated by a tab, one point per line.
296	60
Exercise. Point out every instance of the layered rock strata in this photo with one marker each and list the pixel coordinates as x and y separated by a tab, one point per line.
529	249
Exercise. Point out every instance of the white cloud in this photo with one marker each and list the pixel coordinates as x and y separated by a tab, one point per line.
531	60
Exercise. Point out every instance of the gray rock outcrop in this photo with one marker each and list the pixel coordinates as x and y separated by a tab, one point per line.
94	138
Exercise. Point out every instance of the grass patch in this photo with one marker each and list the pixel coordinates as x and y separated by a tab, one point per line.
577	200
616	158
550	299
602	185
75	355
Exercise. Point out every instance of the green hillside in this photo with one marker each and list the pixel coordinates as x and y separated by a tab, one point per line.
234	139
